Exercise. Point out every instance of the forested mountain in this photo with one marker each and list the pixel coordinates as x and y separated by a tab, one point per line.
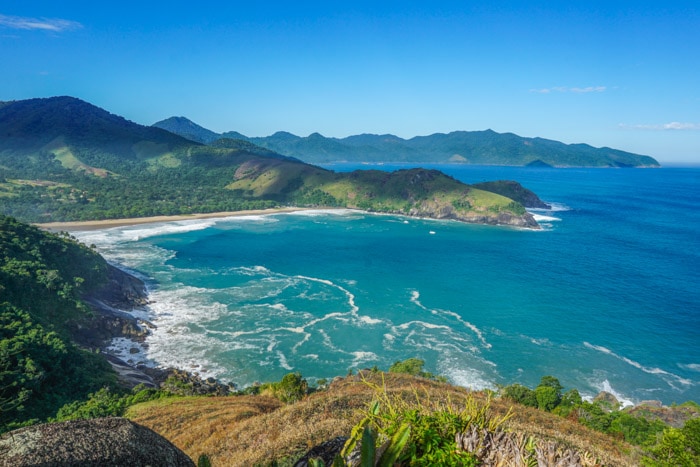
64	159
187	129
468	147
43	278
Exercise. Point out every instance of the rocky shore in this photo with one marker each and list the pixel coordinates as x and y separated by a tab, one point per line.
112	306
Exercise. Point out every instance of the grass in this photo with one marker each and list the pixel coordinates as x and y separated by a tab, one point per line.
260	430
68	160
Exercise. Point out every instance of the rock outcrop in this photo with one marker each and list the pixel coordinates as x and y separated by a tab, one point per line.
434	210
675	416
99	442
185	383
122	291
327	452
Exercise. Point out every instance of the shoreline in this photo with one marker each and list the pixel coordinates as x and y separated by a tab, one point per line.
125	222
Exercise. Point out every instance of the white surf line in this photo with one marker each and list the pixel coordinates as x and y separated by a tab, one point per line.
639	366
415	295
541	218
354	309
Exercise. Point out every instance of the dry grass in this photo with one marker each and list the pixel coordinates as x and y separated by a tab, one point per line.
257	430
543	425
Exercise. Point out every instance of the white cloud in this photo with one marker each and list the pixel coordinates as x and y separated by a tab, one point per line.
567	89
589	89
42	24
662	126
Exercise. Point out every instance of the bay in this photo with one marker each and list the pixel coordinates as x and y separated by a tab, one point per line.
605	297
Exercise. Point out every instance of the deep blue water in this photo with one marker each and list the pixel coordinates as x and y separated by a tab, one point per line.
606	296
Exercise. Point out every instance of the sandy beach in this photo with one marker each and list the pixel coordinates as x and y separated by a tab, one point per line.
109	223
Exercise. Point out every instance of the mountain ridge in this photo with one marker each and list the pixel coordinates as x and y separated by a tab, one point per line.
485	147
64	159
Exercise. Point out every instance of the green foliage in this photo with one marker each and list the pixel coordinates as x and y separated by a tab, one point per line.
410	366
570	400
551	382
691	430
420	432
548	393
600	416
675	449
42	279
414	367
594	416
635	430
368	448
520	394
203	461
46	274
107	403
291	388
40	371
547	398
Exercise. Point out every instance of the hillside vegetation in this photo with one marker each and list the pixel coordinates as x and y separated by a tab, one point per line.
463	147
63	159
43	278
259	430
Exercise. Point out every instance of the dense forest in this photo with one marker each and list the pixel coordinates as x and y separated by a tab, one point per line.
43	277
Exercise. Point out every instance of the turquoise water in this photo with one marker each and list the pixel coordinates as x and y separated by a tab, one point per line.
604	297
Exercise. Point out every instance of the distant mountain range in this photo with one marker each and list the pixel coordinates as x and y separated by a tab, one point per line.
468	147
65	159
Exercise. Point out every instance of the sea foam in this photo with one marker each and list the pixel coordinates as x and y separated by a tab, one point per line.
669	377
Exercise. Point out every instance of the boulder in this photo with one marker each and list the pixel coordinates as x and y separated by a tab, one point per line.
607	400
100	442
326	452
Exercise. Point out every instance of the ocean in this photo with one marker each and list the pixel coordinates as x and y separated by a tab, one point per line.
605	297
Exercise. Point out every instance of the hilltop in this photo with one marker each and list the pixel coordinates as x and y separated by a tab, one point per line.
64	159
463	147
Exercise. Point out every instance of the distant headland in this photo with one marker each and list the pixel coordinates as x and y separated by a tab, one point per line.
459	147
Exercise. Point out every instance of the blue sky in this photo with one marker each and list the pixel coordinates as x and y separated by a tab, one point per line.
616	73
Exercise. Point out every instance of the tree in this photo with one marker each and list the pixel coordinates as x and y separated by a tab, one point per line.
520	394
291	388
547	398
410	366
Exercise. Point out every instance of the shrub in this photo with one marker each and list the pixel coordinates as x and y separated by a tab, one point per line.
547	398
420	430
414	367
107	403
520	394
672	451
291	388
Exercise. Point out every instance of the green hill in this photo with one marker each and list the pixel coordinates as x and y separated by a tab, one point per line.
64	159
468	147
43	279
188	129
